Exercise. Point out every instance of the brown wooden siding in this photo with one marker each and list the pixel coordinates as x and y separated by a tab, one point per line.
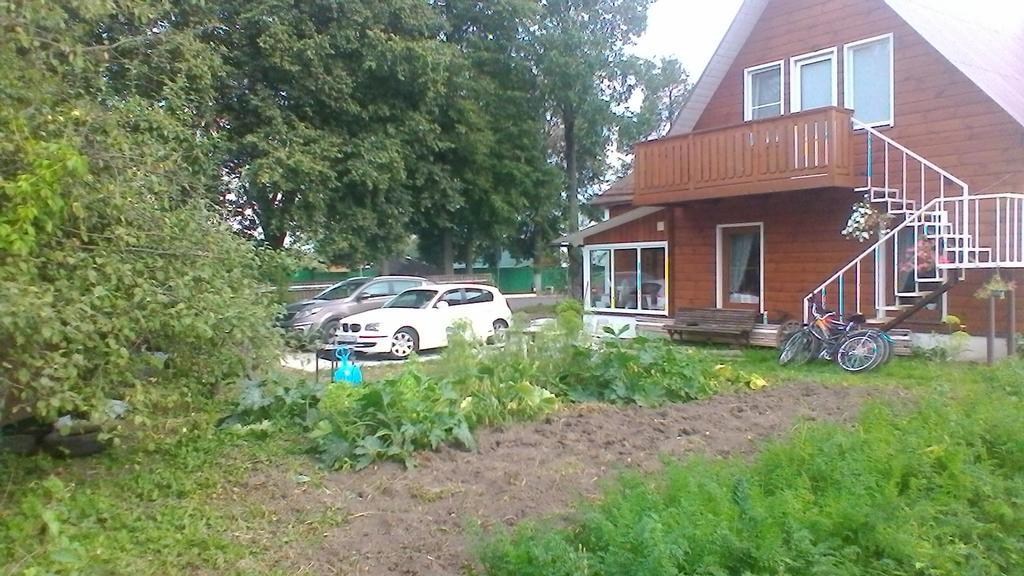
641	230
939	112
803	246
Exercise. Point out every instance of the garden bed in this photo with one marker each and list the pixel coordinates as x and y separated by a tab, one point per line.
392	520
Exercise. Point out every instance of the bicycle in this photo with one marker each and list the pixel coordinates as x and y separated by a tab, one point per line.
854	348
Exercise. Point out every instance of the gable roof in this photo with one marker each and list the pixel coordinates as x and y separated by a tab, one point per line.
982	38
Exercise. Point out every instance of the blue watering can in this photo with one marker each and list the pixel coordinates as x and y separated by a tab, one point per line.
347	370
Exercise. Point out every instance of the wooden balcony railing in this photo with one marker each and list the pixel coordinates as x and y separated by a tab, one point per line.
795	152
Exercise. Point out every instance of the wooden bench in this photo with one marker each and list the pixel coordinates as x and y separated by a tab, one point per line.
713	325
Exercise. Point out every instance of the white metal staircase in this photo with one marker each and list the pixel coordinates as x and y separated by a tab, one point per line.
938	231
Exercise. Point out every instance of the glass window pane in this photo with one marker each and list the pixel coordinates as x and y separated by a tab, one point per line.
626	293
744	268
872	84
653	288
600	289
815	84
766	93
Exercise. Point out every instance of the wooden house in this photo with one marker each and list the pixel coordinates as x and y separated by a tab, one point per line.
807	108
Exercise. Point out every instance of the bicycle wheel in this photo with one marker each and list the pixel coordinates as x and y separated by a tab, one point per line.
883	339
798	349
861	352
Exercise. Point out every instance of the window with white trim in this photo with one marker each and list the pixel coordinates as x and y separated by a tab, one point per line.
814	80
868	85
762	91
629	277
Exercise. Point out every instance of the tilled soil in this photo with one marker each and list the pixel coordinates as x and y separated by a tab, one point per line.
397	521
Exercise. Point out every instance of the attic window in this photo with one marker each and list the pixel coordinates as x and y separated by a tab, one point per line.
762	91
869	80
813	80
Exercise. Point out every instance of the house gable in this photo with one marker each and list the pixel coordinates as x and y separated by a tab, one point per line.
939	112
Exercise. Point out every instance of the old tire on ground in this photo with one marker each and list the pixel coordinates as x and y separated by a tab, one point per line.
20	444
404	343
73	445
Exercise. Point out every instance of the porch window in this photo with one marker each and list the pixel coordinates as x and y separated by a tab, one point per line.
869	80
814	79
762	91
629	277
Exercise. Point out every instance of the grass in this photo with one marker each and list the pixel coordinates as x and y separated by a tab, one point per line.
936	488
176	500
172	504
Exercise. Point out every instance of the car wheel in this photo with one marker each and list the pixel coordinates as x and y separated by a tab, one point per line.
329	330
500	327
404	343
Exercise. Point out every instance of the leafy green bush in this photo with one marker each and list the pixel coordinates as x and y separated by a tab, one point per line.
111	247
275	401
395	417
937	491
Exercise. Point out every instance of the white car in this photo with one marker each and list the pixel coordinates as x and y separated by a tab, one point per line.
420	318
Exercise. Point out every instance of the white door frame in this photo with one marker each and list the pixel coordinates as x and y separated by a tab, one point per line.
719	301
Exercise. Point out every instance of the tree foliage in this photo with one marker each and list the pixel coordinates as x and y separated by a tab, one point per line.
111	252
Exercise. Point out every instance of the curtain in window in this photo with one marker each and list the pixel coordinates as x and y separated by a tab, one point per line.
742	244
766	93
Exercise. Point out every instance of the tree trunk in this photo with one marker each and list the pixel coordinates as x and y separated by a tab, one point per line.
469	257
447	252
538	263
573	197
385	266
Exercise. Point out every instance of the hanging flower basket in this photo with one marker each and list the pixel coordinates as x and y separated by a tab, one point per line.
865	221
995	287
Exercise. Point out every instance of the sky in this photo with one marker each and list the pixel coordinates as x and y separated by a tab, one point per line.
687	29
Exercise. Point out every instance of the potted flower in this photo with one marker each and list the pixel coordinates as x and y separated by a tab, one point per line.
995	287
865	221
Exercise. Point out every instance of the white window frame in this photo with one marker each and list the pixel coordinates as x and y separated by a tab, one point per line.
795	63
719	301
748	73
611	274
848	72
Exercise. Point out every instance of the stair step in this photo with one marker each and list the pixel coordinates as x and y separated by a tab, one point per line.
896	308
911	294
879	321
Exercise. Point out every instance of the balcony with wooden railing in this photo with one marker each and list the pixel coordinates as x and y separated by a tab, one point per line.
794	152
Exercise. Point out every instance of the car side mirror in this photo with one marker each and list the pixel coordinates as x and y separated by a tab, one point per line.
442	305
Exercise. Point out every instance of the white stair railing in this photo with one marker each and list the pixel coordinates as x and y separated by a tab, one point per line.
915	193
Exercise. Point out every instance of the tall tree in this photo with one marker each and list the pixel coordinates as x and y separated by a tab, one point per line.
330	109
581	60
665	85
496	160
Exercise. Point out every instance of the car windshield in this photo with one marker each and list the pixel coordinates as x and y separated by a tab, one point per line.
342	290
412	299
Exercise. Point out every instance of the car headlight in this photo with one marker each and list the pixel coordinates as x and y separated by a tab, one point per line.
372	327
310	311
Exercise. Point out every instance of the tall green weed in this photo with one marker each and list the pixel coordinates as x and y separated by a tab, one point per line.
929	490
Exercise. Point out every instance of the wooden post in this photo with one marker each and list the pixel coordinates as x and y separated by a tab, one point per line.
1011	336
990	342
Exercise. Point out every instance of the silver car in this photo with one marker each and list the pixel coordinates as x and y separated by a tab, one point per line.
322	314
